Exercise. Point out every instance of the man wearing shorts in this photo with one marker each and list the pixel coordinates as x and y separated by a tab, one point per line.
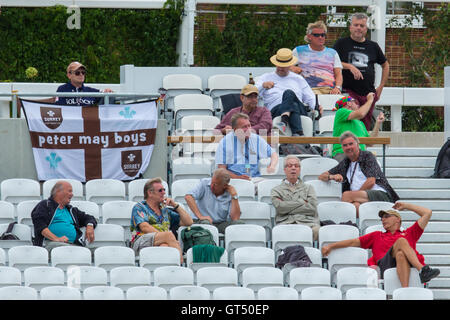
361	176
394	248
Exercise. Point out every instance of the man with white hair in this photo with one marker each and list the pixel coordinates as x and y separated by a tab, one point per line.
394	248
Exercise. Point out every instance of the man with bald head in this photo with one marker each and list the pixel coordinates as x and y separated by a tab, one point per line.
57	223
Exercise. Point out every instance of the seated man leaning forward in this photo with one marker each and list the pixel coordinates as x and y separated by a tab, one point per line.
154	217
394	248
214	201
259	117
56	223
240	150
295	202
362	178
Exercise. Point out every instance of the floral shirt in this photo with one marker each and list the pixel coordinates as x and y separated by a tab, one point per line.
143	213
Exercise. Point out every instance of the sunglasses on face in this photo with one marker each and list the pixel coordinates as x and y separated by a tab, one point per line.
161	190
385	216
78	72
317	35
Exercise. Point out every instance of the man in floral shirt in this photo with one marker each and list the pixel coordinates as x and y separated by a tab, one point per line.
153	219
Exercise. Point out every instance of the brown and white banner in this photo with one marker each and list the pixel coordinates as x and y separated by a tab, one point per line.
95	142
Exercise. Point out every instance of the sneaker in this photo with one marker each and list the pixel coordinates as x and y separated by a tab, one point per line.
281	126
427	273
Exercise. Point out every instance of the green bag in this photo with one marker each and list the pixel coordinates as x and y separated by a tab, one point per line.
192	236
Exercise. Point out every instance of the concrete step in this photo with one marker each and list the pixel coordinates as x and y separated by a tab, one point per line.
434	237
406	152
432	227
439	283
437	259
436	217
411	183
435	205
423	194
441	294
409	172
408	162
445	271
433	248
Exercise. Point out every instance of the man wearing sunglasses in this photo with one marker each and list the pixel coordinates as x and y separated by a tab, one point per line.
320	66
395	247
76	72
359	56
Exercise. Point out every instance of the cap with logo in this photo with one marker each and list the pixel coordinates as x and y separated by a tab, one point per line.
249	89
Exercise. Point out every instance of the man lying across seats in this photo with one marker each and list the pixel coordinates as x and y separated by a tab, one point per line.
153	219
362	178
294	201
214	201
394	248
56	223
240	150
259	117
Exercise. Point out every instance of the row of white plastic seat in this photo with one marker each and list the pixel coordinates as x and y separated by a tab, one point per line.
200	293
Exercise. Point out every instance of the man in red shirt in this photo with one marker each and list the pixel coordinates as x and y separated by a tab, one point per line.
394	248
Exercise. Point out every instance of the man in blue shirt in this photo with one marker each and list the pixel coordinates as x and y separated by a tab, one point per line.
76	72
239	151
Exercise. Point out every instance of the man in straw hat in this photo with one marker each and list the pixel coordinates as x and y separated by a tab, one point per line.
286	93
395	247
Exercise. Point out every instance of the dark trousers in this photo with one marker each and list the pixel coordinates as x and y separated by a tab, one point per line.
290	103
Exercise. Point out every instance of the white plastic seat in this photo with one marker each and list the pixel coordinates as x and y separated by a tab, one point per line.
392	282
18	189
373	228
3	257
336	232
176	84
65	256
336	211
41	277
321	293
83	277
365	294
314	255
301	278
285	235
128	277
307	126
18	293
189	293
326	191
24	209
136	189
195	266
198	125
344	258
215	277
60	293
257	278
172	276
180	188
264	192
10	276
213	229
108	235
277	293
221	84
87	207
22	231
244	188
328	102
191	104
326	124
6	212
353	277
110	257
412	294
255	212
245	257
151	258
311	168
146	293
277	175
103	293
243	235
118	212
77	188
368	213
191	168
22	257
233	293
103	190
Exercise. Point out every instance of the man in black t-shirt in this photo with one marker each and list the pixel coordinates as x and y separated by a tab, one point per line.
358	56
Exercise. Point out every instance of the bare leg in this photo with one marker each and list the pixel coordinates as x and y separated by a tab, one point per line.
167	239
405	255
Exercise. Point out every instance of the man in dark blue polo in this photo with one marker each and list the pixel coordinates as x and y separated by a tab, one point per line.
76	72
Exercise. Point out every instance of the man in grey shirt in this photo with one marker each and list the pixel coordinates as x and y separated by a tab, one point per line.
214	201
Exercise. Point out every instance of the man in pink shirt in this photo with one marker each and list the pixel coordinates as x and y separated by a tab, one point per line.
394	248
260	117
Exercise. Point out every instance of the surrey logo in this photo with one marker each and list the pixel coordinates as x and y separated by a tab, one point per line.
131	162
53	159
52	117
127	114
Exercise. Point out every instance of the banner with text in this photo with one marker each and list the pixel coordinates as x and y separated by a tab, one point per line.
95	142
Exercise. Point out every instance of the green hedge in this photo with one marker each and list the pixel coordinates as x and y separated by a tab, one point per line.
107	39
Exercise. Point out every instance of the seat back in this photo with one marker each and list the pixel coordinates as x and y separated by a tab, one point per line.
233	293
109	257
77	188
243	235
244	188
41	277
129	277
336	211
60	293
23	257
326	191
24	209
103	293
333	233
19	189
146	293
7	214
103	190
257	278
368	213
171	276
311	168
321	293
189	293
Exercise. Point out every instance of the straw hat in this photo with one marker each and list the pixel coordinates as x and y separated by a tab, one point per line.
284	58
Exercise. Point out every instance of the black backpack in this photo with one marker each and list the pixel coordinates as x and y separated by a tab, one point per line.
8	235
192	236
299	148
442	167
